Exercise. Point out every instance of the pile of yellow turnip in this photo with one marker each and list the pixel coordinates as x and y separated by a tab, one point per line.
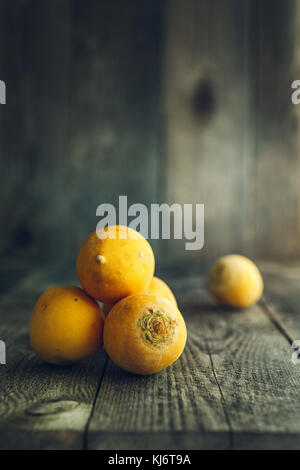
138	321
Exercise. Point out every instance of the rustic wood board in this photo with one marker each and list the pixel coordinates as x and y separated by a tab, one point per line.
276	222
282	297
177	408
244	394
208	127
26	381
234	387
81	124
163	101
230	128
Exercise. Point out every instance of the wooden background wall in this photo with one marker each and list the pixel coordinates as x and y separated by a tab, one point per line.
178	101
81	122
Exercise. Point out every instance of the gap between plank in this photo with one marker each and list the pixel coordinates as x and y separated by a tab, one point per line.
276	320
273	317
230	434
86	428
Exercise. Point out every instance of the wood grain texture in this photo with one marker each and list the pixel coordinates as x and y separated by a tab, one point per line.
233	387
251	360
81	122
231	130
175	409
207	107
282	296
25	380
277	213
106	98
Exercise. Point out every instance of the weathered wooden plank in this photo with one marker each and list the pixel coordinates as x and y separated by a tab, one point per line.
83	117
252	363
25	380
208	118
282	296
230	126
12	272
178	408
34	62
233	387
277	213
81	124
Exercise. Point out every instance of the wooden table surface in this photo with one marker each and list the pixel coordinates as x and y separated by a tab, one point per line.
234	387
